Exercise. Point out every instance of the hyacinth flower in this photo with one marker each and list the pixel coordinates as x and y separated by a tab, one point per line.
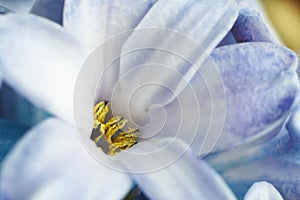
50	162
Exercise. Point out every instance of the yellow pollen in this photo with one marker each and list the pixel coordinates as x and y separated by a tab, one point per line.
111	130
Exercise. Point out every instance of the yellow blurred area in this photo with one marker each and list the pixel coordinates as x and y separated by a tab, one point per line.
285	16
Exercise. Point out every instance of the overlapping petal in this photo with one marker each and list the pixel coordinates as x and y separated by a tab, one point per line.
47	64
260	91
161	53
187	177
51	163
257	6
250	27
263	191
94	21
259	95
248	105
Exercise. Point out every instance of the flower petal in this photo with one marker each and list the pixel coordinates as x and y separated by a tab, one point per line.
261	86
205	22
18	6
276	161
40	61
162	53
94	21
189	177
50	9
250	27
10	133
293	125
263	191
51	163
258	7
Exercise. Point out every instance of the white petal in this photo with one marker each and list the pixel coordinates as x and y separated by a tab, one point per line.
162	53
186	177
93	21
263	191
205	21
51	163
40	61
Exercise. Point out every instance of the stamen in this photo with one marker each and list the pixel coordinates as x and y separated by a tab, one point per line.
111	130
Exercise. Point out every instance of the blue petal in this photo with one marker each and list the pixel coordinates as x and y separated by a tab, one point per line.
10	133
50	9
250	27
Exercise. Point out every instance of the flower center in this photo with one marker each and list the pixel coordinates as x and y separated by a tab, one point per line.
108	134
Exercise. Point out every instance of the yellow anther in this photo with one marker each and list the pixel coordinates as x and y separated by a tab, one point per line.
100	111
111	129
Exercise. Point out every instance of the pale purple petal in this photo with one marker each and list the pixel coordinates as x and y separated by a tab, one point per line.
257	6
51	163
187	177
261	86
250	27
40	61
263	191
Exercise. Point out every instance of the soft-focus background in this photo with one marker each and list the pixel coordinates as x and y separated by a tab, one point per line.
285	17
